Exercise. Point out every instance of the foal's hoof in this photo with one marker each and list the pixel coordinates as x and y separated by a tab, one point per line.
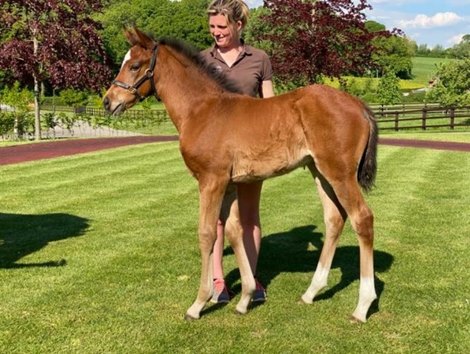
241	311
354	319
306	300
188	318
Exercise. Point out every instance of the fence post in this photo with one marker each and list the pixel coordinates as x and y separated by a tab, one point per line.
396	121
423	125
452	118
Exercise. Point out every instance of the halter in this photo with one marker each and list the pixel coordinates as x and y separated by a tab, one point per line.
148	75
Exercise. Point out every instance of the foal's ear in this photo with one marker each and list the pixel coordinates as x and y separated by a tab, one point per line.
137	37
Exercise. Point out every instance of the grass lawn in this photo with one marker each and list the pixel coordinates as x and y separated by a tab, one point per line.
460	137
98	254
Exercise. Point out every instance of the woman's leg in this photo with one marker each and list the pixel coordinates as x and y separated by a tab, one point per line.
221	293
248	201
218	252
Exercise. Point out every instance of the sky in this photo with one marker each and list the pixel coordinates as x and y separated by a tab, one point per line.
431	22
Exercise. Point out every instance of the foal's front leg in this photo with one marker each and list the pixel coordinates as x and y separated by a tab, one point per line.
211	193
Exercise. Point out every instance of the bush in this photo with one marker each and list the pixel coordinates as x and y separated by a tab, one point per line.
7	124
16	124
388	90
415	97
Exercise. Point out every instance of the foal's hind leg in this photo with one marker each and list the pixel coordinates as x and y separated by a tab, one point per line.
334	218
362	220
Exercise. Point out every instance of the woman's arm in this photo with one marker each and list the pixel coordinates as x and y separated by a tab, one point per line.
267	89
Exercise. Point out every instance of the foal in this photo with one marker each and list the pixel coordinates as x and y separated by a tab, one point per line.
230	139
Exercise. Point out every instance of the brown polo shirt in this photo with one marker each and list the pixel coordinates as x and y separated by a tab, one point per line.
248	72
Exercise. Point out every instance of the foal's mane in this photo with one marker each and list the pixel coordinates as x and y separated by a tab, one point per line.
197	59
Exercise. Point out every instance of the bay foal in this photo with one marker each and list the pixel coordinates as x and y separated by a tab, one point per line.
230	139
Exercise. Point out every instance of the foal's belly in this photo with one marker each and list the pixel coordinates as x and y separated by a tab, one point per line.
260	165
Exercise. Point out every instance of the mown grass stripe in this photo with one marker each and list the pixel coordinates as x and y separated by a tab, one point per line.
75	164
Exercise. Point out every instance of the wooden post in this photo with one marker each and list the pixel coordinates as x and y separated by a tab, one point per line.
452	118
423	119
396	121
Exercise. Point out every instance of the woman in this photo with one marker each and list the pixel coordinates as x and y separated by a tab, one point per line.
251	70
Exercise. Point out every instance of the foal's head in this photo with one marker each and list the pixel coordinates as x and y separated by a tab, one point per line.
135	79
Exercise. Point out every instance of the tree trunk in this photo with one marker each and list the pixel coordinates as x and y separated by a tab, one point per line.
37	94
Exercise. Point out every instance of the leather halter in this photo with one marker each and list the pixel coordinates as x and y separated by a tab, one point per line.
148	75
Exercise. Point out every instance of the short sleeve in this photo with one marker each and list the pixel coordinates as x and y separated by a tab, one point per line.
267	69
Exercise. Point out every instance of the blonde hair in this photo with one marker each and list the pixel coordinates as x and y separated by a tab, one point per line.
233	10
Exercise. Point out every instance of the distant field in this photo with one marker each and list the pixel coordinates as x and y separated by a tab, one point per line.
425	68
405	85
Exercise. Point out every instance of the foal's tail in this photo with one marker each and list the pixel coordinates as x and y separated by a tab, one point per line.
368	165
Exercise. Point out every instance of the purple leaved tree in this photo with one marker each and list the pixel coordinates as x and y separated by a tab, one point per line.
54	41
319	38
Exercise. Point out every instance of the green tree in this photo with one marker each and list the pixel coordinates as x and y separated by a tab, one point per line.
190	22
438	51
462	50
185	19
74	98
452	87
391	53
255	32
423	50
388	89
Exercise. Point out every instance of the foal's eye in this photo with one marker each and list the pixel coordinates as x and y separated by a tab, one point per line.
135	67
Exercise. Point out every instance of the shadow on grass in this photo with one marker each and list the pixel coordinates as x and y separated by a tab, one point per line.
21	235
298	250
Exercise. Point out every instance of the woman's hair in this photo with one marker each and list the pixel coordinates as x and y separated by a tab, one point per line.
233	10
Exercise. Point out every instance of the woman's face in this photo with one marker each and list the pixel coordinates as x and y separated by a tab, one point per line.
224	33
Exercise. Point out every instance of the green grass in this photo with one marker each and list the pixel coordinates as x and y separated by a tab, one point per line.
462	137
424	69
98	254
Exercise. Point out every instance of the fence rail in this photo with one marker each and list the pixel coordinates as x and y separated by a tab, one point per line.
100	112
424	118
397	118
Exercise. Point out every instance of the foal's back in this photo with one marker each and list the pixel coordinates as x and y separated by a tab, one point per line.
267	137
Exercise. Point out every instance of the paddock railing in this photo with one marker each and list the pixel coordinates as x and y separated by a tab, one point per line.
63	121
422	118
397	117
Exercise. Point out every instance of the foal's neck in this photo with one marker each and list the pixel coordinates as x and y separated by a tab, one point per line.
182	86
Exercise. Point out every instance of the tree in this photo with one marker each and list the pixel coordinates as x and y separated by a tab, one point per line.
185	19
190	22
452	87
388	89
54	41
312	39
423	50
392	52
462	50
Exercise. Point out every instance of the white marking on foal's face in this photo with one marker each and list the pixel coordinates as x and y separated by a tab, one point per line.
126	59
